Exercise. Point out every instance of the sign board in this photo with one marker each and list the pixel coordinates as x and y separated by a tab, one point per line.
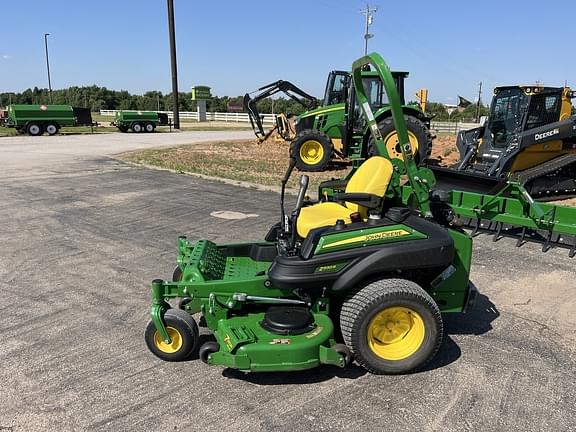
201	93
235	107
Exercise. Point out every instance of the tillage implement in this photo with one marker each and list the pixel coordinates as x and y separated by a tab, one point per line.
360	277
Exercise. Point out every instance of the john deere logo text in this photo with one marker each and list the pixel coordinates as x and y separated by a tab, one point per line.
543	135
386	234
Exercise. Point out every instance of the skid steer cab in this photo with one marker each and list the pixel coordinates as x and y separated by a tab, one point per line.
359	278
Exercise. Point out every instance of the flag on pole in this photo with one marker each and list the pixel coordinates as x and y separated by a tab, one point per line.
463	102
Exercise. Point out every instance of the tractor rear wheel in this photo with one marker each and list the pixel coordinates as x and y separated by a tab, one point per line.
392	326
418	134
149	127
312	150
137	127
51	128
183	331
34	129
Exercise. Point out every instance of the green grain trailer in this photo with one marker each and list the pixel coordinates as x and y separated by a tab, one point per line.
37	119
139	121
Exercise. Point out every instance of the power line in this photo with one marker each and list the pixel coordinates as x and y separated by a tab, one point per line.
369	15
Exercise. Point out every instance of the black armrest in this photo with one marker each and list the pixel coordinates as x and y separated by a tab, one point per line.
367	200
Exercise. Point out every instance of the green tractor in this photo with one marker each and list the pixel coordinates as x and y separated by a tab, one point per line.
319	135
362	277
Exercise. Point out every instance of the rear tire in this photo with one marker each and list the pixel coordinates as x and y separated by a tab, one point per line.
34	129
392	326
184	333
52	129
417	132
312	150
149	127
137	127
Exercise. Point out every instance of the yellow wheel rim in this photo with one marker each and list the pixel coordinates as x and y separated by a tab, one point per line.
172	347
311	152
396	333
393	146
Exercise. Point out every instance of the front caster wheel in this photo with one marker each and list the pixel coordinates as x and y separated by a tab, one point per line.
207	349
183	331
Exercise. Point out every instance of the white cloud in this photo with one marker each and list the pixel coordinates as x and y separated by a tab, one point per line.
6	57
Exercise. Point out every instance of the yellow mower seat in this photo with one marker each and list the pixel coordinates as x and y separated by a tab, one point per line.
372	177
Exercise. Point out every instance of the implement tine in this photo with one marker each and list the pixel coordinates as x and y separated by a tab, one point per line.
546	246
499	226
520	241
476	228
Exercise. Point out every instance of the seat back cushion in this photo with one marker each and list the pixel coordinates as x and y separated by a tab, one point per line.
372	177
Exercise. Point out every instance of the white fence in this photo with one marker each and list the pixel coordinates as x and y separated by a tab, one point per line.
452	127
268	119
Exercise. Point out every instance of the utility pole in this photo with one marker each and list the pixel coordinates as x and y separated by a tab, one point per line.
369	14
48	66
172	34
478	105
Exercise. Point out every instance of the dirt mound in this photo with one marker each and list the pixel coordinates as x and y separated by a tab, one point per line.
444	151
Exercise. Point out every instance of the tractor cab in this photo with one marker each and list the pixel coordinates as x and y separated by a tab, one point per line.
338	86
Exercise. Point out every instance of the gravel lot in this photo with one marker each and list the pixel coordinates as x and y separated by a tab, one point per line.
82	235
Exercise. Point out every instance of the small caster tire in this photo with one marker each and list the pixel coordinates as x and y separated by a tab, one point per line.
183	302
345	352
183	331
207	349
177	275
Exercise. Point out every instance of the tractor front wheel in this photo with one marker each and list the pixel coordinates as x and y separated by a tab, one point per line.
183	332
392	326
312	150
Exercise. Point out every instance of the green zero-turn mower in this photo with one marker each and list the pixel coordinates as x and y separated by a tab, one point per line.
361	277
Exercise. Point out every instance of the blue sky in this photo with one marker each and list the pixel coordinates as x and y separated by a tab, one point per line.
237	46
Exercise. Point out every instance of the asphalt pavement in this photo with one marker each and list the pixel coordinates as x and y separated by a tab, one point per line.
81	237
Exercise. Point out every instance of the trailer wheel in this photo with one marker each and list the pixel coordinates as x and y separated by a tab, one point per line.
312	150
392	326
51	128
34	129
149	127
183	331
137	127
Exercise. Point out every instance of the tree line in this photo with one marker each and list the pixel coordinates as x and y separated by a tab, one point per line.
100	98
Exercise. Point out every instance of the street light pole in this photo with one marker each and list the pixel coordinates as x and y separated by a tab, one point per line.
369	14
172	34
48	66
